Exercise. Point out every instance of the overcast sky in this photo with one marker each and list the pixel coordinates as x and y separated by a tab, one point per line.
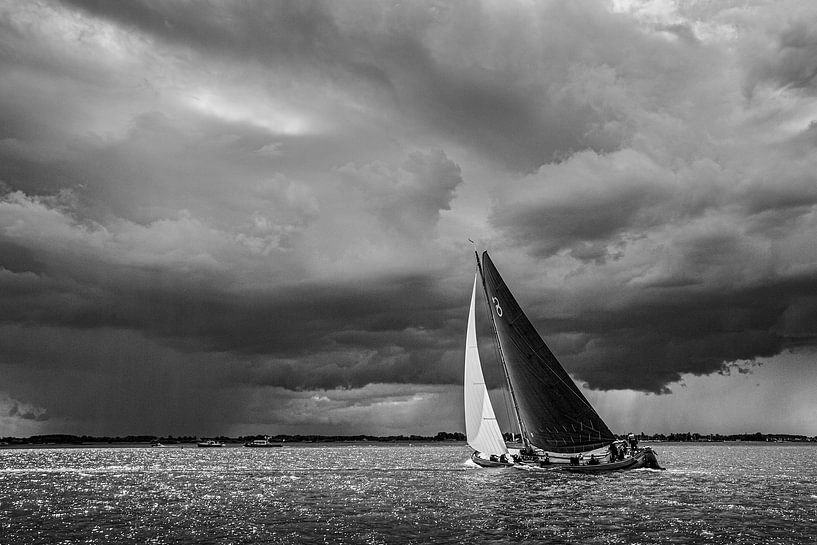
252	217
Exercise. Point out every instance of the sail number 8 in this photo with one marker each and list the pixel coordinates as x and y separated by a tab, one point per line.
498	308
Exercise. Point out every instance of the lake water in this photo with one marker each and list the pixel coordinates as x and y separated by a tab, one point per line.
717	493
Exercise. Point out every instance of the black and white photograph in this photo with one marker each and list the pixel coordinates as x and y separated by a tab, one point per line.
408	272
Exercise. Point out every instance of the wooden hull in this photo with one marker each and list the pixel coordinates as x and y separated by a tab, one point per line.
619	465
484	462
643	458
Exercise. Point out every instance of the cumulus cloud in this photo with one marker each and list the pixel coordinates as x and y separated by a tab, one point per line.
408	199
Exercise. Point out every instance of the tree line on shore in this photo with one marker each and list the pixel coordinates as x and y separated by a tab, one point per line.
66	439
716	437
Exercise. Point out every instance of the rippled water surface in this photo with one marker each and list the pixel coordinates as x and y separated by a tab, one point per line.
719	493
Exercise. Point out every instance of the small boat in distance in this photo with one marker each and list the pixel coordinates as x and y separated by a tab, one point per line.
210	443
261	443
559	427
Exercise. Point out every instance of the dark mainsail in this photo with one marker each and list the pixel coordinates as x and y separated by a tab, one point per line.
553	412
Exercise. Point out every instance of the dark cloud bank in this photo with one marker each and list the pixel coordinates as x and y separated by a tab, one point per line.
202	200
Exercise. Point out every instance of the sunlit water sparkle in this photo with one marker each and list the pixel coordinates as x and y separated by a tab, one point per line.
719	493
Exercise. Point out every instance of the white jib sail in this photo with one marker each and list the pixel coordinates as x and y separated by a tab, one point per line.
481	429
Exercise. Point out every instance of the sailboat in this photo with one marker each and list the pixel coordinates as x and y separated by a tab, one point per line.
559	428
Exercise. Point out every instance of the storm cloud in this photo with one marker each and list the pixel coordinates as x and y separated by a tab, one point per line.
221	216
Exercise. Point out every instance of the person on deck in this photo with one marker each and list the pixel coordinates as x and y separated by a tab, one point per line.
633	443
593	461
613	451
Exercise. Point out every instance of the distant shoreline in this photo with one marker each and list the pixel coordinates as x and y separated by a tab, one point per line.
147	441
181	446
193	446
189	440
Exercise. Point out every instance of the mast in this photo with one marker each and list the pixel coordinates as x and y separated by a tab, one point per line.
523	435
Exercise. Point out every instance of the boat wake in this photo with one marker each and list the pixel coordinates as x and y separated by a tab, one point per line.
536	469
